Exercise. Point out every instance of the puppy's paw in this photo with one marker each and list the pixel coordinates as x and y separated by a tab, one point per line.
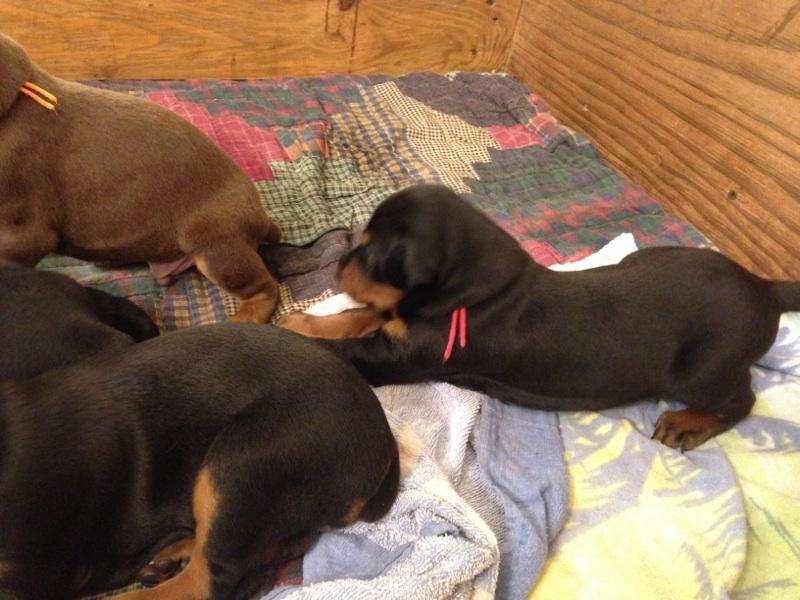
166	563
256	309
157	572
685	429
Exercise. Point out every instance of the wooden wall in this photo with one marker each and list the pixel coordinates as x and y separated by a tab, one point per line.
698	102
162	39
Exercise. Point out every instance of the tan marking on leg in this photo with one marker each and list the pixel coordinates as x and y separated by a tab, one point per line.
194	582
258	299
5	569
396	329
352	514
166	563
257	309
348	324
409	448
177	551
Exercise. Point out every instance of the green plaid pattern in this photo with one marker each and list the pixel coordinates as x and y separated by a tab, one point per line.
311	196
373	137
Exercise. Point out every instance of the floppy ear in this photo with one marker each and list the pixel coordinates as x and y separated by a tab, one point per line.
404	268
15	69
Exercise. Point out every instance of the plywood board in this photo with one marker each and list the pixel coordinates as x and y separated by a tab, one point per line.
164	39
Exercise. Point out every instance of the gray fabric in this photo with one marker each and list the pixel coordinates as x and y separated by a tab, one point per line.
475	516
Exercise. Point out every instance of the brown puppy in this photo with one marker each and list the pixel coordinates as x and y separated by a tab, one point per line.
104	176
456	299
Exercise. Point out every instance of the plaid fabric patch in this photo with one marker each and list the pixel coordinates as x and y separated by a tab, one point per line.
251	147
312	195
446	142
308	138
373	137
308	272
135	283
280	102
561	204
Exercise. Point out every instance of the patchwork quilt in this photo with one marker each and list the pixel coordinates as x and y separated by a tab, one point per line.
644	521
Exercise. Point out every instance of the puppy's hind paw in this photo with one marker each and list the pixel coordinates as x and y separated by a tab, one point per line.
166	563
157	572
686	429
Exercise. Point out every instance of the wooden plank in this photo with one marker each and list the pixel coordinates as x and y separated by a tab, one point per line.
697	102
417	35
163	39
119	39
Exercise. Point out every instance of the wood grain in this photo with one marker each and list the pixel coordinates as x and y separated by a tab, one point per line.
163	39
696	102
397	36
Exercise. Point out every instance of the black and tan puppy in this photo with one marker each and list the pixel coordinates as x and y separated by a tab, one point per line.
458	300
107	177
49	321
229	441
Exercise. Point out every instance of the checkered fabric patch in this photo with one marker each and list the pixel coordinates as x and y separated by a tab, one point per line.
447	143
373	138
311	195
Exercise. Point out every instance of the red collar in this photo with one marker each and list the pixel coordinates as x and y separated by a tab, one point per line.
457	321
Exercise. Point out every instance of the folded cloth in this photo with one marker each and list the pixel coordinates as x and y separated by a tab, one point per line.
474	517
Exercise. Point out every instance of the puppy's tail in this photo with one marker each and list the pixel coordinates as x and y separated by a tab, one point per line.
788	295
409	449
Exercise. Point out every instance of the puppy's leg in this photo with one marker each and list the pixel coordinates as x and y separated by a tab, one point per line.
686	429
194	582
242	529
235	266
347	324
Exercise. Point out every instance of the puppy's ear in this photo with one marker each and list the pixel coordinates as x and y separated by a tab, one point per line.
404	268
15	69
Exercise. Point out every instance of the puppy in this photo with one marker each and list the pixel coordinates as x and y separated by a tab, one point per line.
50	321
230	442
456	299
107	177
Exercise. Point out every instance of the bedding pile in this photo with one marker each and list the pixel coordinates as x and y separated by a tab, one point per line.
642	520
474	517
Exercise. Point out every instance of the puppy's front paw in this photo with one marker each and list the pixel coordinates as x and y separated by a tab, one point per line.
685	429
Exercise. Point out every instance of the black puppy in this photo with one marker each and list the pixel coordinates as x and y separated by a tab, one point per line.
685	324
48	320
242	437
